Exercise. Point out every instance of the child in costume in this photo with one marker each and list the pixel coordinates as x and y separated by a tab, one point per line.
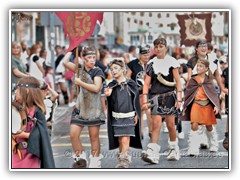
201	104
123	113
50	102
89	110
33	143
163	79
136	71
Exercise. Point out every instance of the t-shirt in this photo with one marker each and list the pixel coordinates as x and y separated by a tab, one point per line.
17	64
96	71
137	72
33	69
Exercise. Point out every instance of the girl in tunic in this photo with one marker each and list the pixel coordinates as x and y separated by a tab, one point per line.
201	104
89	110
163	79
33	143
123	113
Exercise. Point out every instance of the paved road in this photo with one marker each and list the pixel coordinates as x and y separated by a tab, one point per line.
63	151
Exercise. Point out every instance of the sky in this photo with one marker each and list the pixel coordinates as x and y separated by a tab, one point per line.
123	4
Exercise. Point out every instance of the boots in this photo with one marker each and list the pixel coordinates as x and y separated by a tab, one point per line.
124	160
193	143
80	161
225	141
152	153
173	154
213	140
95	162
203	137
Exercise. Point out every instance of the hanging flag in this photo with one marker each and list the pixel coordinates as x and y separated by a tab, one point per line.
194	27
78	26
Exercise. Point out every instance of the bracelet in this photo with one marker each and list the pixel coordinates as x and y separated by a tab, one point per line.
145	103
179	91
145	94
179	101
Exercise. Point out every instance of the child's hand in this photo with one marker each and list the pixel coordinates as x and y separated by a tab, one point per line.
76	81
145	106
225	90
178	104
135	120
107	91
22	135
215	109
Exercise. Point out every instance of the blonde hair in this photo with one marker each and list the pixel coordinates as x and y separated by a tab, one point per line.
18	45
34	96
207	64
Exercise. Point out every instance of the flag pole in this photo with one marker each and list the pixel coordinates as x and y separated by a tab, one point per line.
77	70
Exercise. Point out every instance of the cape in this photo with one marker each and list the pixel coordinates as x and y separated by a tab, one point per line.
39	141
190	92
135	142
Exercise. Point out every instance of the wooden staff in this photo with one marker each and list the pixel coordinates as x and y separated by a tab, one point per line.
77	70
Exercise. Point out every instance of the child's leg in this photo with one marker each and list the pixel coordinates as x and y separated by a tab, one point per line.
212	138
79	156
95	157
174	153
151	155
194	140
94	138
170	121
124	159
156	126
75	132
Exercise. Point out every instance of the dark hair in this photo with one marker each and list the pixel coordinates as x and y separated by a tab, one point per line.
131	48
199	42
160	41
116	61
85	50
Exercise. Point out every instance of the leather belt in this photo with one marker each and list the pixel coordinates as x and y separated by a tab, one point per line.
204	102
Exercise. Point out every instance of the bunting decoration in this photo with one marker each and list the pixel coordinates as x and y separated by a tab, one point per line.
78	26
194	27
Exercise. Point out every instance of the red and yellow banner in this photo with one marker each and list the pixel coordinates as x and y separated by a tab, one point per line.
78	26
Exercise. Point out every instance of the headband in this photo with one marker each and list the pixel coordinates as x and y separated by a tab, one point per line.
90	53
27	85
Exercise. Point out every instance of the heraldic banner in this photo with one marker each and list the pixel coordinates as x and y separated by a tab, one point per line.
195	27
78	26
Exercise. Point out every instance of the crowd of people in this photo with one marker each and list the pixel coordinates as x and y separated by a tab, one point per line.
121	90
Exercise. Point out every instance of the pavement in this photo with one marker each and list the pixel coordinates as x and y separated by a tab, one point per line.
62	148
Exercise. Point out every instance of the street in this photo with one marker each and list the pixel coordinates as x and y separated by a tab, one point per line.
62	148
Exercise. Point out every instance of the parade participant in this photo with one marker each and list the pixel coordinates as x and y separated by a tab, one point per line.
50	102
136	71
89	111
166	96
123	113
33	143
225	80
36	63
201	104
201	51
